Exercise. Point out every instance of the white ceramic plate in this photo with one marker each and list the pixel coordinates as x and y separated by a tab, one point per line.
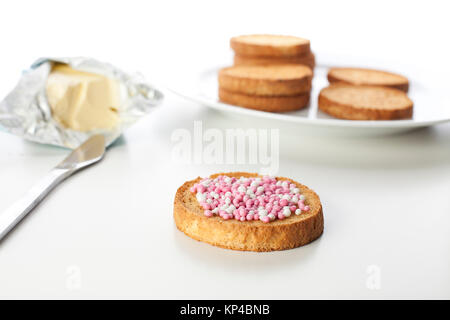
430	105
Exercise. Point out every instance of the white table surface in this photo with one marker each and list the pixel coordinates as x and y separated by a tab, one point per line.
108	231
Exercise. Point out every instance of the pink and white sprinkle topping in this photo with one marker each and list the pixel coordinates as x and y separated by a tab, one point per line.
246	199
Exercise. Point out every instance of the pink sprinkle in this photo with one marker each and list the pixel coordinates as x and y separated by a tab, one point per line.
249	217
265	219
206	206
242	219
283	202
306	208
256	217
281	216
208	213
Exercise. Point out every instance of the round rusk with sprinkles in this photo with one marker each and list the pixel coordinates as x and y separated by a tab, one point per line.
246	211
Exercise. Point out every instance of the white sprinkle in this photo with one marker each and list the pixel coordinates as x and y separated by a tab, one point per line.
298	211
295	199
271	216
206	183
215	210
296	190
201	197
286	211
287	197
262	212
209	201
302	197
260	189
242	189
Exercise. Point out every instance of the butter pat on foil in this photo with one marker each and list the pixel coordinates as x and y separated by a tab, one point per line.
81	100
64	101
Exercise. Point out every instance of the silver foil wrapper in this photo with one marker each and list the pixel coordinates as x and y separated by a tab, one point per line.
25	110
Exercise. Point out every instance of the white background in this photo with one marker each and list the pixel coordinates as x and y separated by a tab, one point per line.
108	231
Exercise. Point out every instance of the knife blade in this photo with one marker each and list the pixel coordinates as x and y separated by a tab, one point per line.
88	153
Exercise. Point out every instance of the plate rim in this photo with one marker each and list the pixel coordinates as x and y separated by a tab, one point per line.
322	122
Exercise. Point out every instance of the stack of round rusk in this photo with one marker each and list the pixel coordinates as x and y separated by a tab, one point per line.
272	88
366	94
262	49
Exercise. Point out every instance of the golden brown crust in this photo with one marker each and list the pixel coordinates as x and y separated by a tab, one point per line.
264	45
368	77
307	60
365	102
276	80
265	103
284	234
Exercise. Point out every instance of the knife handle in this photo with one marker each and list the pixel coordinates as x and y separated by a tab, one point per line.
16	212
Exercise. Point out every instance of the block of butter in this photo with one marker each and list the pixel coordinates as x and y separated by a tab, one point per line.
82	101
63	101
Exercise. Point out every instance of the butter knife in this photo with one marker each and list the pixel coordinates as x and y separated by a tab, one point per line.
90	152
